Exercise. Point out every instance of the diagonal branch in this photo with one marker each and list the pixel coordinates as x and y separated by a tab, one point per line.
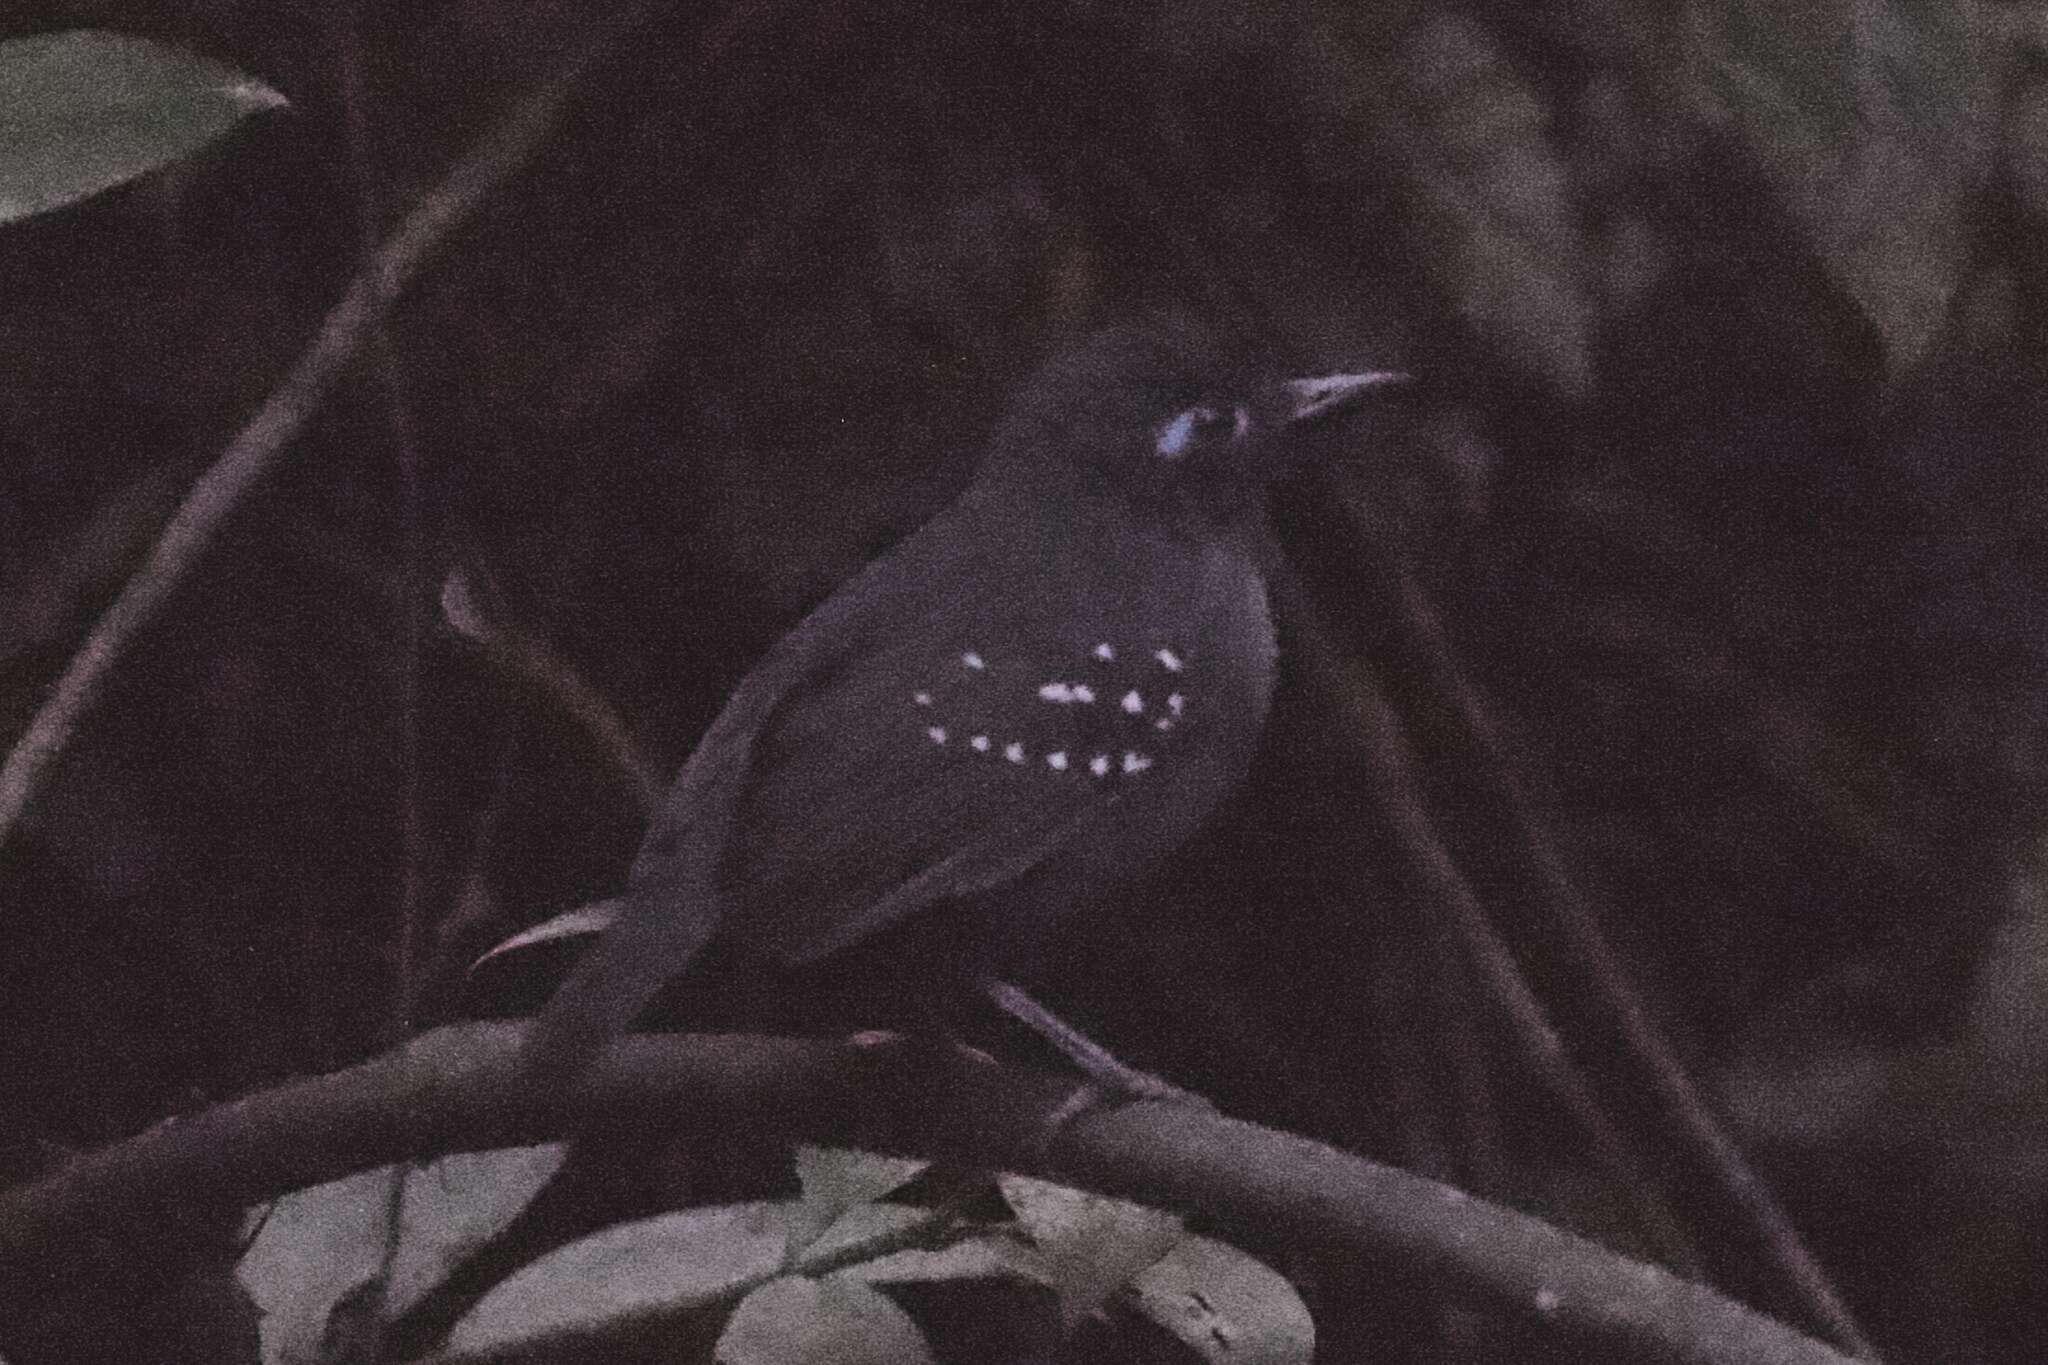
351	324
1391	764
1580	930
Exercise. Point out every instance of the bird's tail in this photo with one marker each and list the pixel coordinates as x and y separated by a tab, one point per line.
654	939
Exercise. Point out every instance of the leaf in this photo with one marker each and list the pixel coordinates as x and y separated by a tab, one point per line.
318	1253
837	1183
981	1254
863	1223
837	1178
319	1248
585	921
1873	119
630	1273
456	1204
352	1328
988	1256
1226	1305
1504	237
833	1321
1092	1245
83	111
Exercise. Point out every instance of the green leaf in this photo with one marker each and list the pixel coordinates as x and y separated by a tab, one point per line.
630	1273
457	1203
319	1249
1873	118
863	1223
838	1178
1503	237
1091	1245
83	111
1225	1305
986	1256
837	1181
981	1254
833	1321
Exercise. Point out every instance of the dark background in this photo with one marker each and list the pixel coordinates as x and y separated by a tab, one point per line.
1741	542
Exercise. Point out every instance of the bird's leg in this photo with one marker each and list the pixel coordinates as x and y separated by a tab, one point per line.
1116	1078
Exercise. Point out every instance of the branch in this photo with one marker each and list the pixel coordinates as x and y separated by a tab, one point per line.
351	323
460	1088
1580	932
1390	764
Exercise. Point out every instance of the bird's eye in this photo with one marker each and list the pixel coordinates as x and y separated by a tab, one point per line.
1198	424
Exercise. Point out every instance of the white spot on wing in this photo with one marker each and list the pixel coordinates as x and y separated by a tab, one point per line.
1056	691
979	744
1014	751
1083	693
1133	703
1057	760
1135	762
1168	660
1176	702
1163	723
1099	765
938	734
921	698
973	660
1104	652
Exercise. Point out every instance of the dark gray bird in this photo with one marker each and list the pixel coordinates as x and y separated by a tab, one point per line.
1027	703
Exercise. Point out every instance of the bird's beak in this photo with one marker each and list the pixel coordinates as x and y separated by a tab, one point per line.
1330	393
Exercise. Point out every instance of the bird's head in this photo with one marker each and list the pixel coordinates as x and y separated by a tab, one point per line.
1161	423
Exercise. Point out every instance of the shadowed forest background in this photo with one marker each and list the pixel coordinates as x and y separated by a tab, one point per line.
1724	480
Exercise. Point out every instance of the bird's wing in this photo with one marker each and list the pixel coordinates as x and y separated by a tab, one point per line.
948	761
988	860
675	897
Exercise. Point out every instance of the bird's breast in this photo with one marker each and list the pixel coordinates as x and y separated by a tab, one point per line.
1110	663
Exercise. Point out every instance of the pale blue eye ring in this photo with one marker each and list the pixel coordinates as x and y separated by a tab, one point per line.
1175	435
1178	434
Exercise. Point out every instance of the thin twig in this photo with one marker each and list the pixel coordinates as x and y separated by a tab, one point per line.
1102	1066
1392	768
503	150
1588	945
367	198
1464	1060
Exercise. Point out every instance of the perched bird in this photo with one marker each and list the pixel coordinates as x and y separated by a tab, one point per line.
1025	704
